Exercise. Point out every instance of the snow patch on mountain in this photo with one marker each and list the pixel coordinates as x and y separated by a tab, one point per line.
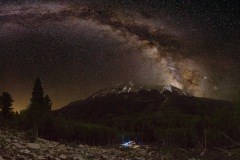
135	88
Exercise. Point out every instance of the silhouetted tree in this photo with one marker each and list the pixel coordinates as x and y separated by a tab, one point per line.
6	105
39	106
48	103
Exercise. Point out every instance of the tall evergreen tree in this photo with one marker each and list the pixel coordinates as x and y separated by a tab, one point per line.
48	103
6	105
39	107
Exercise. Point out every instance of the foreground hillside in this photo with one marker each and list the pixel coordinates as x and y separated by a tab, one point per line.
16	146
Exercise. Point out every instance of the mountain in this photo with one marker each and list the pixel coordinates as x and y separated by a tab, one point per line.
132	98
162	115
131	87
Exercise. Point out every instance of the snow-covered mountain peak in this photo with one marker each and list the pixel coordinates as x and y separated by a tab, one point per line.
174	89
131	87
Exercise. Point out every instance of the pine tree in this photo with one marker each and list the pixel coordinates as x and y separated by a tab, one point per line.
6	105
39	106
48	103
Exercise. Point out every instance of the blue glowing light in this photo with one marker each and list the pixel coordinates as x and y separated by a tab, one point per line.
128	144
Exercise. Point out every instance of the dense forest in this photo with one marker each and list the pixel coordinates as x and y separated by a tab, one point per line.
185	122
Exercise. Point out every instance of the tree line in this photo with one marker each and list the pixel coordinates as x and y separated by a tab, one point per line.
33	116
6	101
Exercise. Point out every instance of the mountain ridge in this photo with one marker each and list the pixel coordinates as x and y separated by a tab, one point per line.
130	98
136	87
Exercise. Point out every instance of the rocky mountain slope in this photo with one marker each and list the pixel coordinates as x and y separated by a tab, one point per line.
14	145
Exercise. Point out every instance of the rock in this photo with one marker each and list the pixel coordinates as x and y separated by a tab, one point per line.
20	158
51	152
1	158
135	146
81	146
203	152
25	151
40	157
18	145
62	156
33	146
50	157
77	157
33	155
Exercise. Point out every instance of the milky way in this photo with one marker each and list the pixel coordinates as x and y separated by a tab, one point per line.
78	48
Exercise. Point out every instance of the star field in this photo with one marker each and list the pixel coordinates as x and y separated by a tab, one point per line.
79	47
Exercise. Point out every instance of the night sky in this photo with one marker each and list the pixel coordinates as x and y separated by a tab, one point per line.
79	47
